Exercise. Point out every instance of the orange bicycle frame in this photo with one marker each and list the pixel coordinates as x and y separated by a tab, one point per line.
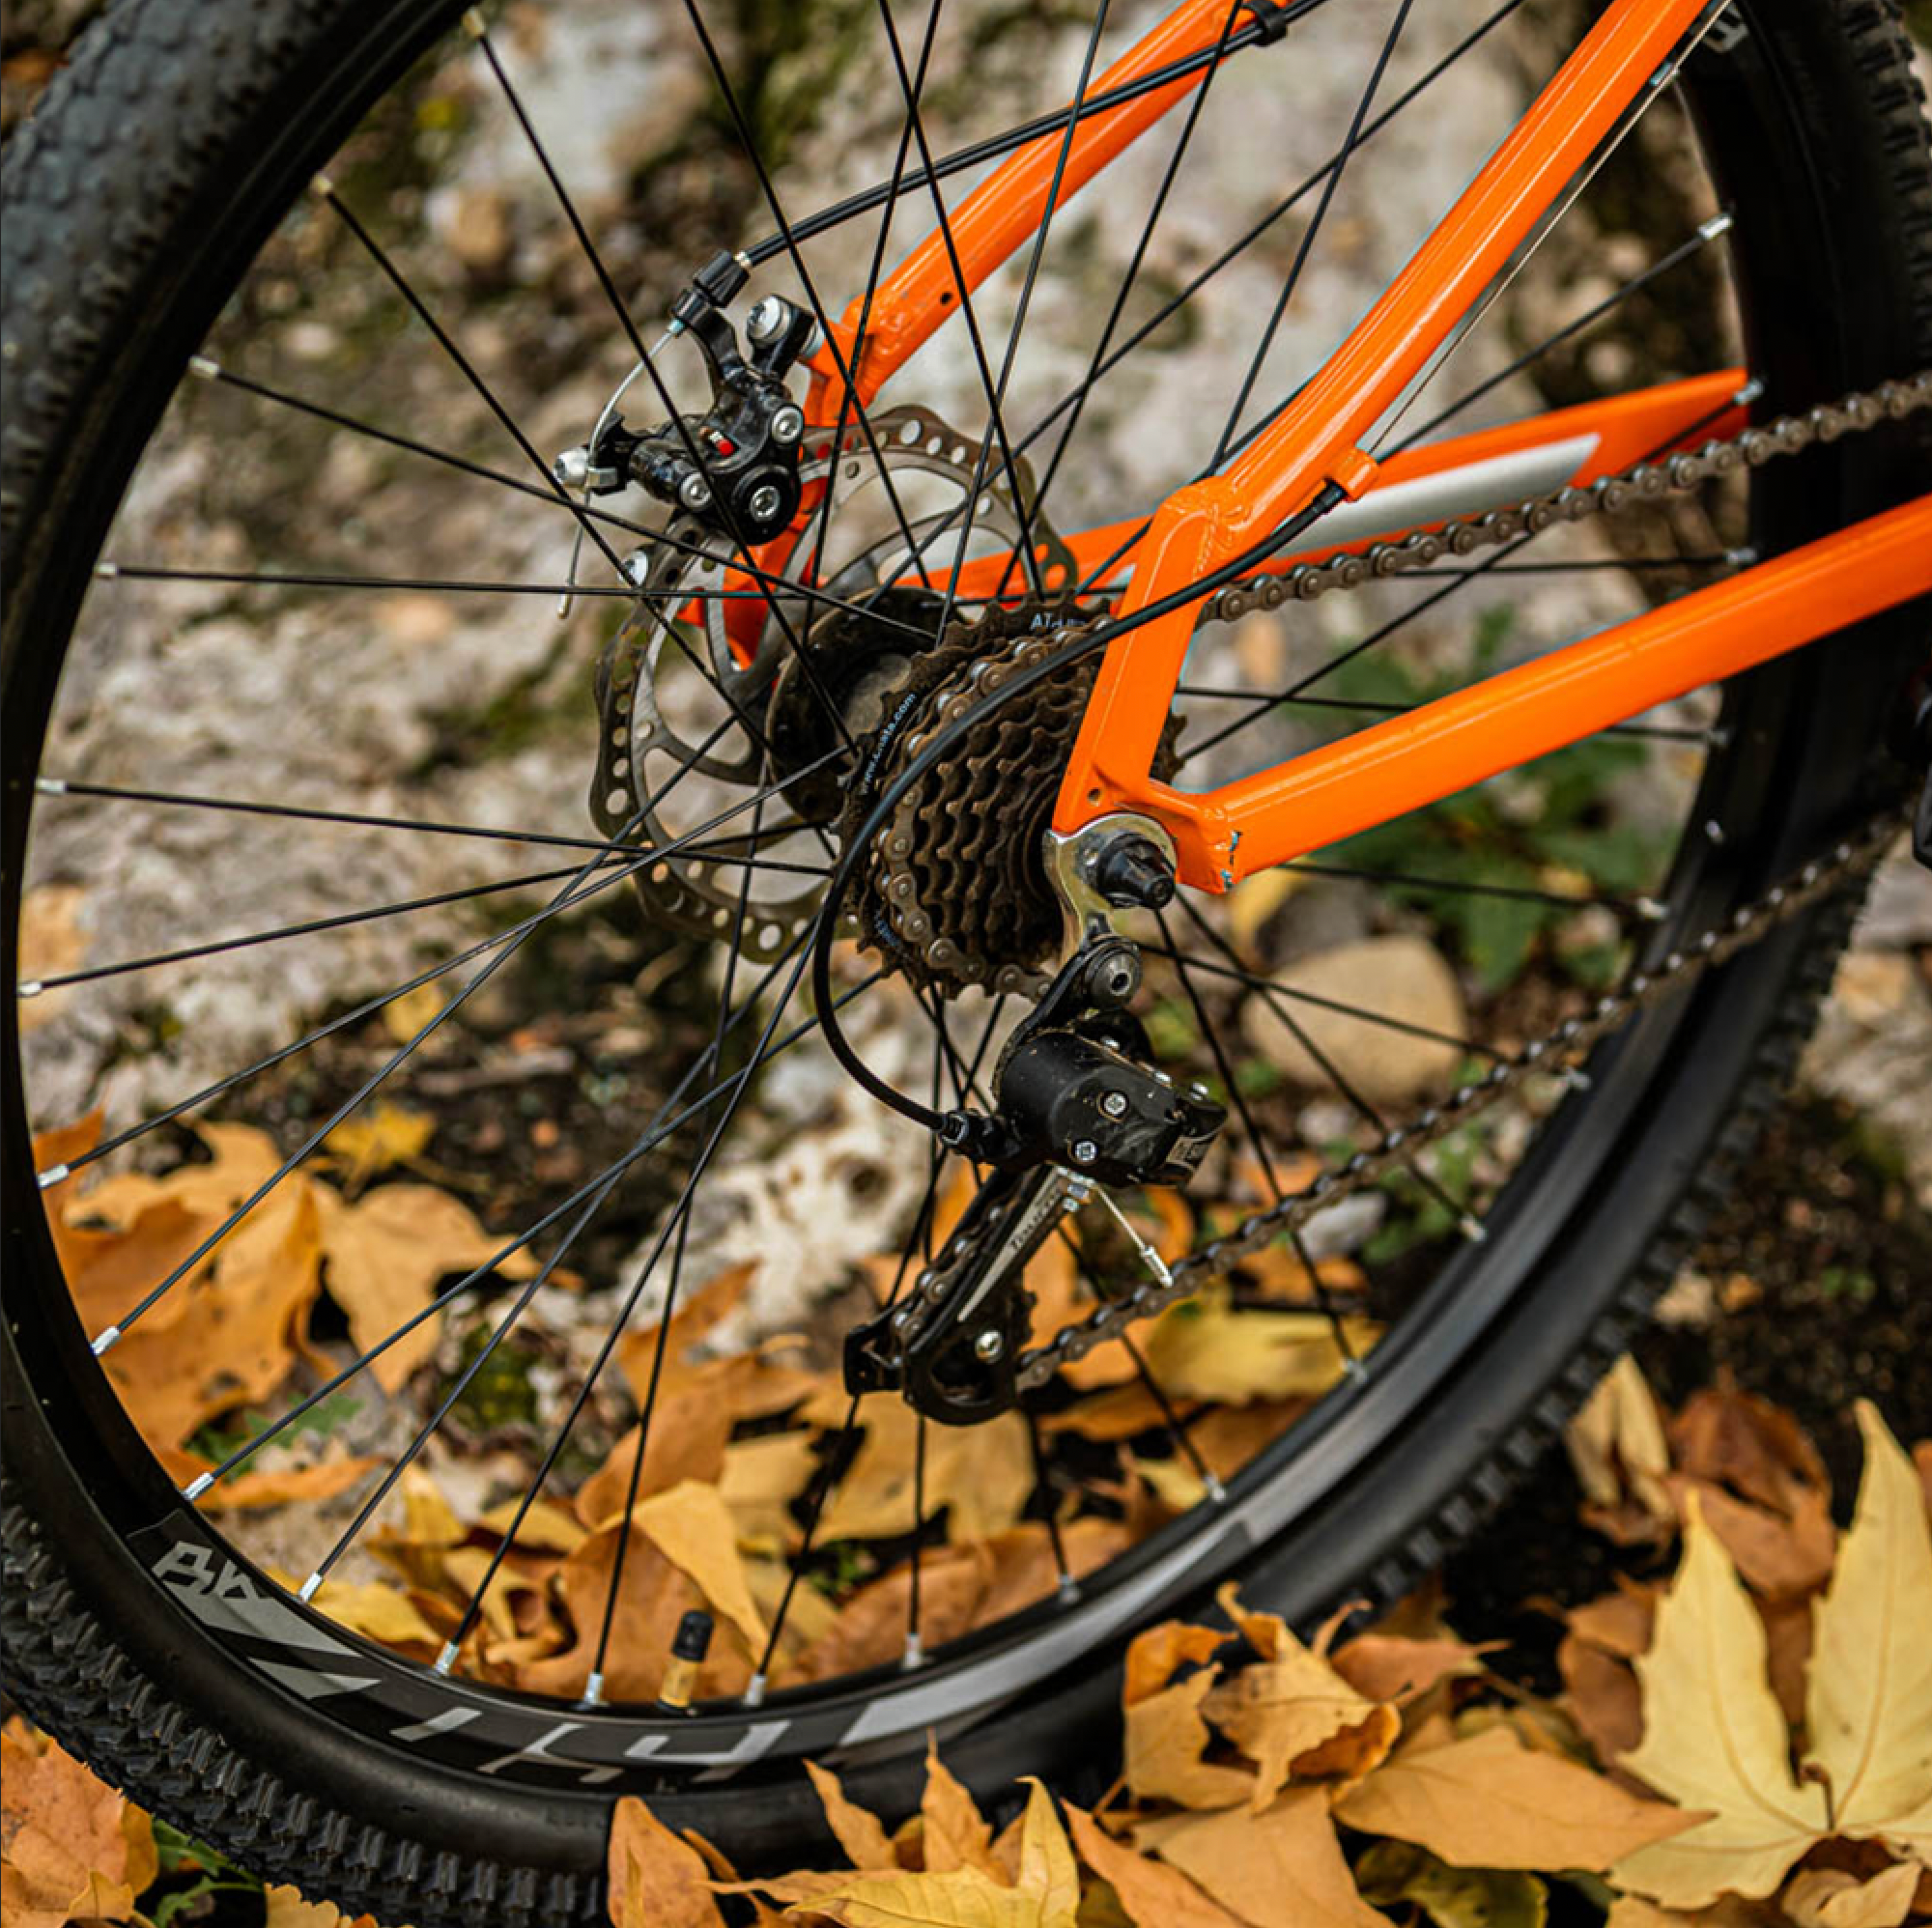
1316	439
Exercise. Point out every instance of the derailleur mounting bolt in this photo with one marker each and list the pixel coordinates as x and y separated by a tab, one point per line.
1086	1151
1131	870
1115	1104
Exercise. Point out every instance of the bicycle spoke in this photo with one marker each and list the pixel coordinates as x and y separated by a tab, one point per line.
770	584
1471	1226
1305	245
1433	599
445	1659
996	429
662	1126
1195	108
506	947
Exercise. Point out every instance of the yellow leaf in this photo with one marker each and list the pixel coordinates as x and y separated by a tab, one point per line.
386	1254
404	1016
1616	1445
1490	1802
1165	1738
1830	1898
1282	1869
1869	1707
982	1476
378	1611
1045	1892
657	1880
390	1135
277	1489
70	1850
51	944
691	1527
955	1832
1284	1709
1255	899
545	1527
1204	1349
859	1830
1152	1896
1714	1739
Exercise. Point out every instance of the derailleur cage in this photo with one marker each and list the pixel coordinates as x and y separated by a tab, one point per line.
1079	1104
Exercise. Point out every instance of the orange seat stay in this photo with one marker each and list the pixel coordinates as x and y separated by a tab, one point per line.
1490	468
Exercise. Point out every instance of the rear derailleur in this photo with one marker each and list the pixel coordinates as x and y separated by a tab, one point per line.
1080	1108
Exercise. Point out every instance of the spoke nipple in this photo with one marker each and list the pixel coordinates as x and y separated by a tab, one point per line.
206	366
106	571
307	1590
472	25
754	1691
914	1655
32	989
445	1659
1472	1229
1069	1589
1211	1480
1714	830
1744	557
323	185
1577	1080
1749	393
1718	225
50	786
1650	910
593	1691
1355	1372
197	1486
106	1339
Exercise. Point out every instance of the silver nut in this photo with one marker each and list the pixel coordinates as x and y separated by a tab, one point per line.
694	493
767	319
988	1347
1086	1151
571	468
789	423
1115	1104
765	503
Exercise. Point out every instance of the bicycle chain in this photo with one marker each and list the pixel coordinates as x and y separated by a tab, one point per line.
1564	1047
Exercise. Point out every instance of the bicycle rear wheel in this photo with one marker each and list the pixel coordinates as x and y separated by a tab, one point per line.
142	1632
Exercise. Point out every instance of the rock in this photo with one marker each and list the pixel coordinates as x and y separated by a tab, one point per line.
1898	912
1873	1050
1403	978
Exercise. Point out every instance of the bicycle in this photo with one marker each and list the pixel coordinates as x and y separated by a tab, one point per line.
930	766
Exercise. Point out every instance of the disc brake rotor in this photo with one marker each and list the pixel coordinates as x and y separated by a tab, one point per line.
643	750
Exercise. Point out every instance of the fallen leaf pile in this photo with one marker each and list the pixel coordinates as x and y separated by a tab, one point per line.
742	1446
236	1327
1340	1783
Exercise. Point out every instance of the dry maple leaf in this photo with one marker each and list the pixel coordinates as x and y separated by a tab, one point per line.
390	1135
1281	1868
1620	1457
858	1830
1044	1893
1153	1895
657	1879
1490	1802
74	1849
1293	1713
1832	1898
1717	1737
693	1529
1869	1709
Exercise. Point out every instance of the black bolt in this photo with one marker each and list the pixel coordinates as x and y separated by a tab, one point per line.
1131	870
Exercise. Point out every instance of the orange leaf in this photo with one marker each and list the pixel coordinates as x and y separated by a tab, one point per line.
657	1880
